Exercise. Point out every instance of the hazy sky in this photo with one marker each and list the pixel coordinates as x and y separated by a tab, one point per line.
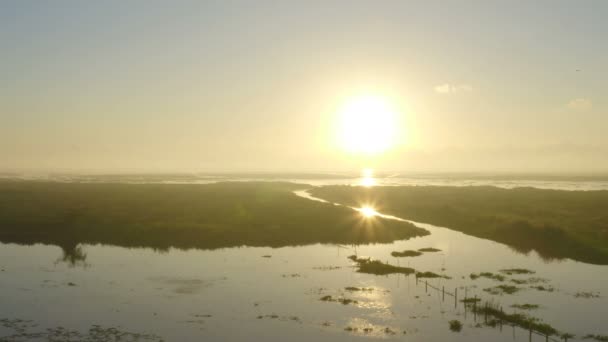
255	85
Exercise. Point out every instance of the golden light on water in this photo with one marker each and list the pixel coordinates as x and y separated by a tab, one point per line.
367	125
368	211
367	177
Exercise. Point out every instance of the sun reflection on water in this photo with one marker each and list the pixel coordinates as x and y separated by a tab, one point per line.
367	178
368	211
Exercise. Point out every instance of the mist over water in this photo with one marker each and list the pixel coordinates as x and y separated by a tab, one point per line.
574	182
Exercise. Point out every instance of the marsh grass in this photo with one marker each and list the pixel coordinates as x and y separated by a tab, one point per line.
430	275
27	330
471	300
587	294
525	306
406	253
543	288
488	275
160	216
556	224
354	289
429	250
341	300
502	289
455	325
512	271
522	320
379	268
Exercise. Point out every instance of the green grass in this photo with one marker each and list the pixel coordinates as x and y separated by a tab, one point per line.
557	224
182	216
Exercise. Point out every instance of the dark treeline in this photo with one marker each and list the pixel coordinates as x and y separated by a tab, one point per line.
181	216
556	224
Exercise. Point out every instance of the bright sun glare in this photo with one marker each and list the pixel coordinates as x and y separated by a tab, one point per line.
368	212
367	178
367	125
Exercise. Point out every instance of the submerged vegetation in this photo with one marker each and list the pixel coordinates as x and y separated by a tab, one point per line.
354	289
587	294
522	320
502	289
341	300
512	271
543	288
27	330
455	325
471	300
533	280
525	306
183	216
554	223
488	275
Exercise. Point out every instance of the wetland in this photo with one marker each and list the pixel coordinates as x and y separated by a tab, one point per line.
189	262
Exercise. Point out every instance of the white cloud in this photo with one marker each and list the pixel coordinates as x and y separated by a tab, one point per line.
453	88
580	104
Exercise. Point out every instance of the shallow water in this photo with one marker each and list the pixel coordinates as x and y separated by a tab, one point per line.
238	294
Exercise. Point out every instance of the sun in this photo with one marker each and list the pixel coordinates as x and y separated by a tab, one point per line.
367	125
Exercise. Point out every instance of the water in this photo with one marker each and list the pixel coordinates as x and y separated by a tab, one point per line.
558	182
238	294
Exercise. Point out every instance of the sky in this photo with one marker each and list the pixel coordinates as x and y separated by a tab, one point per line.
156	86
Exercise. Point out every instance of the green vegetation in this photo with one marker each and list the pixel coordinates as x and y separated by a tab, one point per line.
488	275
543	288
524	321
367	265
525	306
379	268
27	330
512	271
182	216
601	338
343	301
587	294
533	280
557	224
502	289
455	325
471	300
430	275
406	253
429	250
353	289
